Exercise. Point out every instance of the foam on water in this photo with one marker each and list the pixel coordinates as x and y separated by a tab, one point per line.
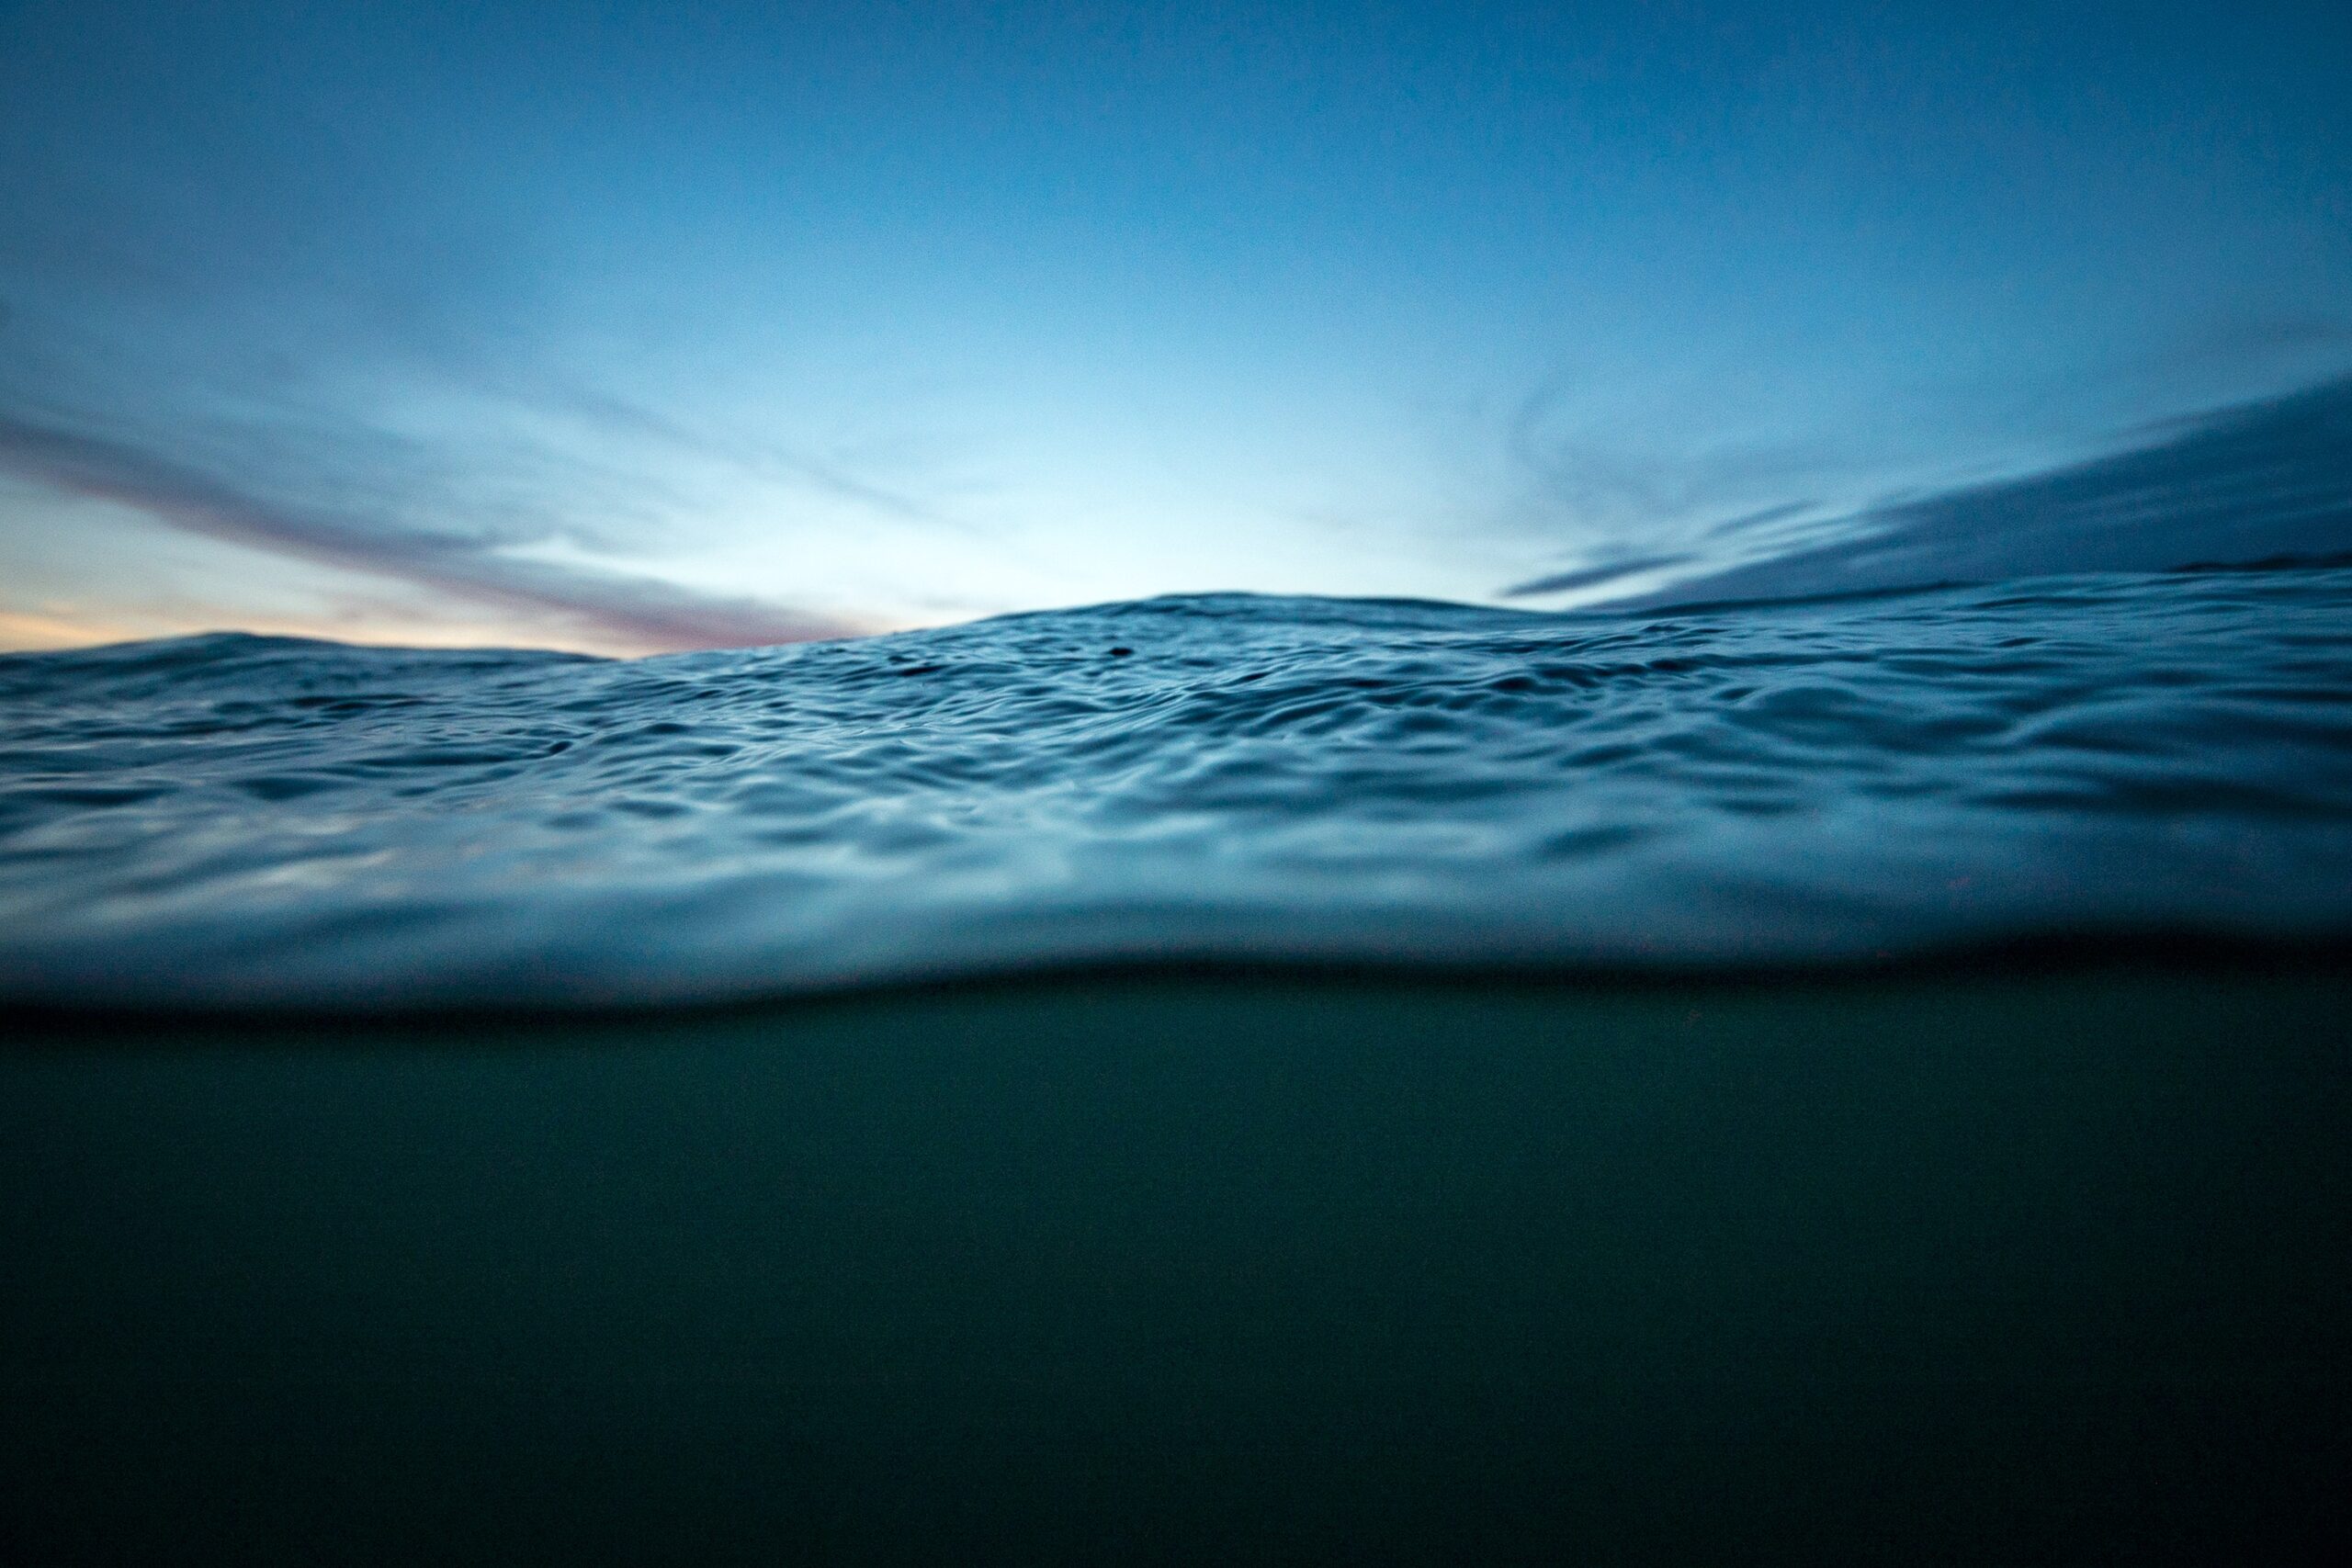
242	821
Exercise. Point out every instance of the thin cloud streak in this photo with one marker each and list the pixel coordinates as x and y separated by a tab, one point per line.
1748	522
815	473
1590	576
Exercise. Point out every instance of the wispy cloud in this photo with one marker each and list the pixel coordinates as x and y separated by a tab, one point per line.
1609	470
1762	518
286	331
1590	576
2266	478
826	475
625	613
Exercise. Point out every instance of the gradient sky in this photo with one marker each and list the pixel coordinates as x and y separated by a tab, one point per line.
627	327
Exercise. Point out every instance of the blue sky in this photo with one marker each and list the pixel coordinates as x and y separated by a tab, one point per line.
635	327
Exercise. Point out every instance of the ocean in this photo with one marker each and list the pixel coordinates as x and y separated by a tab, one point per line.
252	823
1860	1078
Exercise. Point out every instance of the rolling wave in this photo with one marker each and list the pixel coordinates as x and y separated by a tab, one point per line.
238	821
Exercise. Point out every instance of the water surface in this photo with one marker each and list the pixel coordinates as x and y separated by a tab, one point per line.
242	821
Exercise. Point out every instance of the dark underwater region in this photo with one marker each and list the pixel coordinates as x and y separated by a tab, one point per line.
1851	1079
1962	1268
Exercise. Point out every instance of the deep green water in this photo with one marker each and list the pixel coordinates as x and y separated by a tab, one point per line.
1971	1267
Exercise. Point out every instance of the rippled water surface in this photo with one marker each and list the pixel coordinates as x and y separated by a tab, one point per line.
235	820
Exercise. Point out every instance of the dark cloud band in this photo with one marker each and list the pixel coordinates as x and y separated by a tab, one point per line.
2261	480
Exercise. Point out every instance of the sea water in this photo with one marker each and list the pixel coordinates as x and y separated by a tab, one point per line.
1431	1085
252	822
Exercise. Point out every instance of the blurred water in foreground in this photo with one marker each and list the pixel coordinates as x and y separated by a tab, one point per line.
240	821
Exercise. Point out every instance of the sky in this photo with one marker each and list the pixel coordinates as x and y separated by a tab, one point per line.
629	328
